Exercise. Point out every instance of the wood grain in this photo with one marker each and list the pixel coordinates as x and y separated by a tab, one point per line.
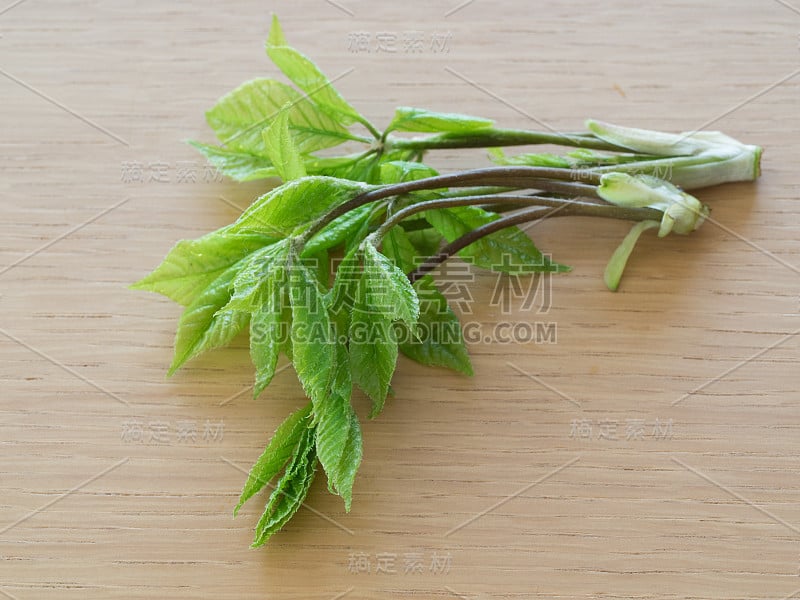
651	451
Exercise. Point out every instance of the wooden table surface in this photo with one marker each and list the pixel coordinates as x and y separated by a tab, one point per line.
650	450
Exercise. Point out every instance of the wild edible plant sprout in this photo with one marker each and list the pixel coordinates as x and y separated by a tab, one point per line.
393	218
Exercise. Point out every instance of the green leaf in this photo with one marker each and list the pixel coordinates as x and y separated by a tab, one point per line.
295	203
373	347
327	165
237	164
312	339
529	160
358	168
508	250
398	247
365	228
584	158
383	294
277	453
338	437
286	324
364	167
387	289
259	274
439	340
342	295
426	241
397	171
307	76
290	491
341	381
281	148
202	327
352	453
264	345
407	118
321	262
340	230
239	117
191	265
269	328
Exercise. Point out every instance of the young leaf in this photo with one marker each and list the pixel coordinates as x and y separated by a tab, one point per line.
373	346
499	157
364	228
396	171
259	274
265	327
584	158
191	265
269	329
285	341
239	117
276	455
312	339
439	340
290	491
237	164
307	76
426	241
407	118
338	435
342	295
358	168
341	383
319	165
352	453
320	262
281	148
398	247
340	230
508	250
386	288
382	294
295	203
202	327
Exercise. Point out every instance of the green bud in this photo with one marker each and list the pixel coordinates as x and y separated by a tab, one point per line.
682	213
691	160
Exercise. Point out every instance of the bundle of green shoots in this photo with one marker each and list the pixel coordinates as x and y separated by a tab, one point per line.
392	219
